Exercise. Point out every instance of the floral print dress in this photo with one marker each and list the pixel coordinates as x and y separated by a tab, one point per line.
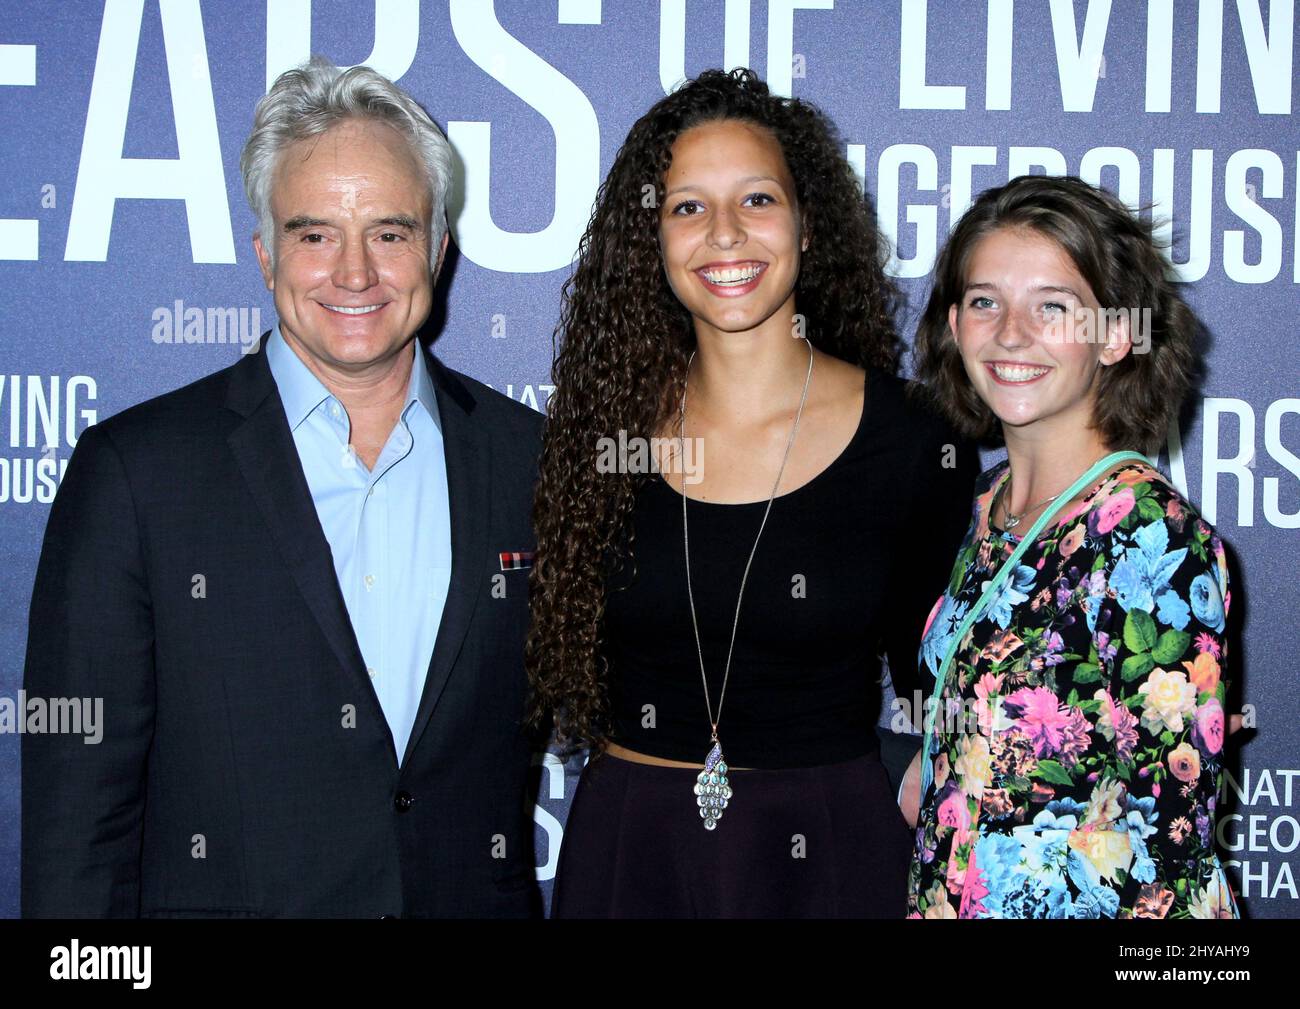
1080	734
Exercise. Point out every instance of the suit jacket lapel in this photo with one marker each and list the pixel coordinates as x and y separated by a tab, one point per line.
467	450
268	459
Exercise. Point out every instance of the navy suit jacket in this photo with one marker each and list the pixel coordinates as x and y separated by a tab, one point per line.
246	768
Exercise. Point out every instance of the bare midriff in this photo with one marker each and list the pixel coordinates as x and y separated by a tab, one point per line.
623	753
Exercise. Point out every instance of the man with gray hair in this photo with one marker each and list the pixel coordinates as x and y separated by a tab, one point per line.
299	584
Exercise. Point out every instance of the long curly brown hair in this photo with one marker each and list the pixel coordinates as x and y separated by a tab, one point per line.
622	347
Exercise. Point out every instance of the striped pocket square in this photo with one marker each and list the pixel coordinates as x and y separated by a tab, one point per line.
516	560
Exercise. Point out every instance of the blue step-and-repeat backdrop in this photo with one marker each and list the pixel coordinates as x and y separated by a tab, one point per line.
127	269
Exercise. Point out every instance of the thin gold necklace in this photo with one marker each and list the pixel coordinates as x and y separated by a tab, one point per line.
1009	520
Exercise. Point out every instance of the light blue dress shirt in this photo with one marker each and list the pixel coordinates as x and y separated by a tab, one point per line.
389	528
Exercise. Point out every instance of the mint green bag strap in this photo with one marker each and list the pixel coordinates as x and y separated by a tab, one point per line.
990	593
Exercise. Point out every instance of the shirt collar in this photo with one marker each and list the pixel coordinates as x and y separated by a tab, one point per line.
421	387
302	392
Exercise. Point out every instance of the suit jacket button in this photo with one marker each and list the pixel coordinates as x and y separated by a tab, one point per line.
402	801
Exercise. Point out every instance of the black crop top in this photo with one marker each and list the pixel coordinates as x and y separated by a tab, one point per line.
849	567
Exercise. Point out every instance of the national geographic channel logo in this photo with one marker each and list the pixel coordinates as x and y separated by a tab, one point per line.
1263	823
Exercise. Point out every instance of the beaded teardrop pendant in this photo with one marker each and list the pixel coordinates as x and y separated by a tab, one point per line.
712	790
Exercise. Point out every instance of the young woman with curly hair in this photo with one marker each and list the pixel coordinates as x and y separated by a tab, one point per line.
1076	754
725	400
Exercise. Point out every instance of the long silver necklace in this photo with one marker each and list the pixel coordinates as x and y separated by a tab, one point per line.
712	787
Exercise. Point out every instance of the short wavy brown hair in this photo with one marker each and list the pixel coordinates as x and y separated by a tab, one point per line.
1116	253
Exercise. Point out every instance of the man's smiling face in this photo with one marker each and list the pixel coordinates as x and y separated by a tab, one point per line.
353	270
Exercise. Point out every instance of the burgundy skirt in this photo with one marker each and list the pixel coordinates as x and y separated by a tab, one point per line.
811	842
